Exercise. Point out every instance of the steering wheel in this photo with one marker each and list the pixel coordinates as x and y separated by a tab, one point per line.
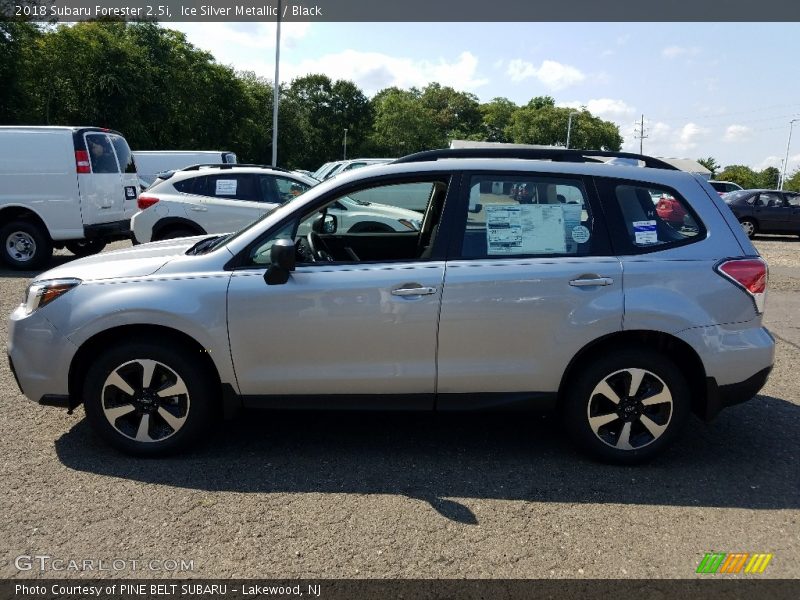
317	246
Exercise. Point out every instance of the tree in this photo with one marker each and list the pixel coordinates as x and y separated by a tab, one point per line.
769	178
455	115
402	125
497	117
741	174
792	183
542	123
711	164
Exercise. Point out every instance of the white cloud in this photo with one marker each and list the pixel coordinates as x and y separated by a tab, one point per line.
737	133
228	41
688	136
609	108
777	161
551	74
373	71
678	51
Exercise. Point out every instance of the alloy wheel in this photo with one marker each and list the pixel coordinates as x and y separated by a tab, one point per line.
630	409
145	400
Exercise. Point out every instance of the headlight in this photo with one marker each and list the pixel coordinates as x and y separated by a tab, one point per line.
42	293
412	224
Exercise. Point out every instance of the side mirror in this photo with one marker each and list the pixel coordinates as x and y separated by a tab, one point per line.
282	259
326	224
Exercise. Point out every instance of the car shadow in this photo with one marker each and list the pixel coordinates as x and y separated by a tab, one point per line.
746	459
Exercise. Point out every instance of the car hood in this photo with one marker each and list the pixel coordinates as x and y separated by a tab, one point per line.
138	261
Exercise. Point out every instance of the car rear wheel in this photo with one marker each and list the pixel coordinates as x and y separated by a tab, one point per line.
749	227
626	407
26	246
149	399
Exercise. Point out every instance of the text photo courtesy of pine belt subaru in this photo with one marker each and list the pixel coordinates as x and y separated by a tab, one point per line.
579	299
224	198
72	187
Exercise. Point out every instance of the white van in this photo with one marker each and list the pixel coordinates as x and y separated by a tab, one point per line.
63	186
149	163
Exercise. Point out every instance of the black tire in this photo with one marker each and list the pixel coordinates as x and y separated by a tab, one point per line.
194	411
85	247
750	227
26	246
171	234
583	401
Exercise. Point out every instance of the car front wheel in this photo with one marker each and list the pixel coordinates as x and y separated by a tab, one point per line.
149	399
627	406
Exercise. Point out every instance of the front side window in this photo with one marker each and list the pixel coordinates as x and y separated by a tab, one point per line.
527	216
101	153
771	200
350	228
279	190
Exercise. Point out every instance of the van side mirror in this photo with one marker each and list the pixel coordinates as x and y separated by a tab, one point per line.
282	262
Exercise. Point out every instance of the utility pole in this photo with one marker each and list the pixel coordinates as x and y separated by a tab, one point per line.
569	126
276	90
786	160
639	133
344	155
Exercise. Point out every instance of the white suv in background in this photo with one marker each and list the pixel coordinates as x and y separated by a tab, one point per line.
222	198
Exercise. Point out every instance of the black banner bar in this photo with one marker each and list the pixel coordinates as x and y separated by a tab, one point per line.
709	587
404	10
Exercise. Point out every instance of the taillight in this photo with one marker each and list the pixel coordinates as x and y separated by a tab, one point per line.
146	202
82	164
750	274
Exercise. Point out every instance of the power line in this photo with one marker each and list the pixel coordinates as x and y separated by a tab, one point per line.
639	133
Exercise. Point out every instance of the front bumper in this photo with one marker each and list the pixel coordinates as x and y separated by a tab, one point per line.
39	357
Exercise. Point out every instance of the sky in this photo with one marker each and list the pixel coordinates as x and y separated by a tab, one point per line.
725	90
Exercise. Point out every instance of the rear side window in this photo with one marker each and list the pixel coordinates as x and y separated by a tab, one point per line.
654	217
187	185
101	153
511	216
124	156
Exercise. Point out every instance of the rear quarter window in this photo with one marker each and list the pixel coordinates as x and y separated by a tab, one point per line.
646	217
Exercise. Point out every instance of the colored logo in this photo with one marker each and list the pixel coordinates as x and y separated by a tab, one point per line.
742	562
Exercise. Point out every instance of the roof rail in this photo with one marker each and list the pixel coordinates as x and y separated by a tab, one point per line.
231	166
553	154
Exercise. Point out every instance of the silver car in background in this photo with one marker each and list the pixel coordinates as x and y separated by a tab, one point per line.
575	296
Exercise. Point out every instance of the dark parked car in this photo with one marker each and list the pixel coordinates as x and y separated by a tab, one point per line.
766	211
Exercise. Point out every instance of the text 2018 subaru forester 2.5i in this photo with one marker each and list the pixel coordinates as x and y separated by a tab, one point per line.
581	299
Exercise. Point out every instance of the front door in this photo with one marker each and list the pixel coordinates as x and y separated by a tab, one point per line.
353	326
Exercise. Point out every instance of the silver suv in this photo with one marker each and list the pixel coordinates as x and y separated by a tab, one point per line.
575	296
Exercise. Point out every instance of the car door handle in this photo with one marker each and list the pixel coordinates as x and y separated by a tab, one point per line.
414	291
199	208
591	281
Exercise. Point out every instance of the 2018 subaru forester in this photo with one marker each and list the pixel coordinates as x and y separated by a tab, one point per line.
581	298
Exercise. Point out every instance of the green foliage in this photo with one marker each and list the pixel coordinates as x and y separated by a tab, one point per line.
711	164
792	182
750	179
161	92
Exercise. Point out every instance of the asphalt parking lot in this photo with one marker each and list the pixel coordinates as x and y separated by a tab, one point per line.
410	496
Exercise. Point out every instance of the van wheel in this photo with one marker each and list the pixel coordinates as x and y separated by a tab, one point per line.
85	247
25	246
626	407
172	234
149	399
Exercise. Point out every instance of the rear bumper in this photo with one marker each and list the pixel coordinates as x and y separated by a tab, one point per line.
116	230
723	396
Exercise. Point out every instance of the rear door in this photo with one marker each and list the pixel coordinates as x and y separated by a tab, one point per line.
793	204
529	282
103	193
228	202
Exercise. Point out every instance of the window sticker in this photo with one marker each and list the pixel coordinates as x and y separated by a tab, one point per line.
226	187
580	234
645	232
525	229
